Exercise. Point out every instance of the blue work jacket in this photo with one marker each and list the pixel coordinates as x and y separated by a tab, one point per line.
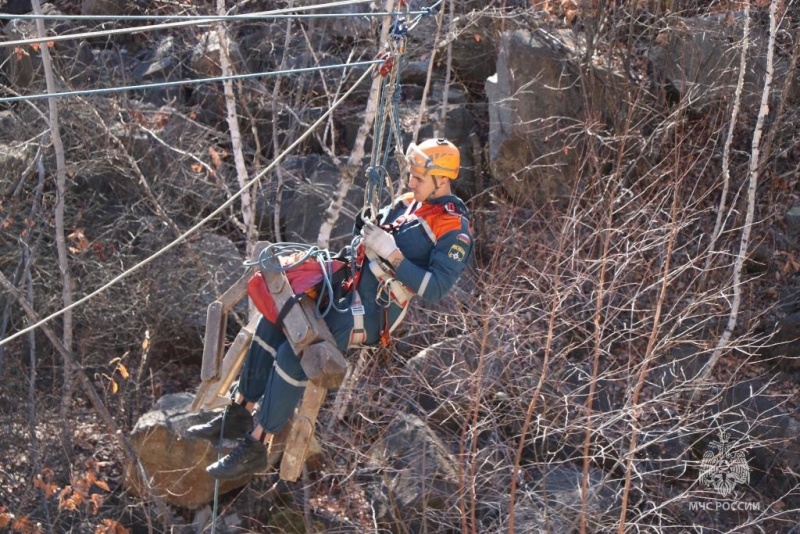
435	240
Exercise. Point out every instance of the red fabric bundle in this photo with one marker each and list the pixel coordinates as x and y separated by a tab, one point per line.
304	278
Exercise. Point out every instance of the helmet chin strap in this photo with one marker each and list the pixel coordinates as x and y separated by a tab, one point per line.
436	187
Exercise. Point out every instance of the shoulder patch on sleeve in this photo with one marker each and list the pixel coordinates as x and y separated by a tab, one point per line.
464	238
457	252
443	223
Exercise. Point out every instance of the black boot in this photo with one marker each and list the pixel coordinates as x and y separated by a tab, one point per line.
249	457
238	423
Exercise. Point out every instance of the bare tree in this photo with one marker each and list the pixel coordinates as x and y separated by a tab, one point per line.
61	246
357	154
726	153
248	200
755	162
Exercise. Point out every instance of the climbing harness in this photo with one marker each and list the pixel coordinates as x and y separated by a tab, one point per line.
292	259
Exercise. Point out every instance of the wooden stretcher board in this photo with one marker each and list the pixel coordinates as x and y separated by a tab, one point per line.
324	364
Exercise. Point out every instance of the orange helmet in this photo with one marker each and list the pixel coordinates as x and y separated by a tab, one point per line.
434	157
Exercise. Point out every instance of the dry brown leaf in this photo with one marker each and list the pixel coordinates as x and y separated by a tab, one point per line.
97	502
64	493
81	243
99	251
48	488
110	526
215	157
20	53
5	517
160	120
123	371
24	526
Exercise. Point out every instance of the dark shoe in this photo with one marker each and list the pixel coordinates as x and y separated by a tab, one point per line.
249	457
238	423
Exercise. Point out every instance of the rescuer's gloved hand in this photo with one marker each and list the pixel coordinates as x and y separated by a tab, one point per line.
363	215
379	240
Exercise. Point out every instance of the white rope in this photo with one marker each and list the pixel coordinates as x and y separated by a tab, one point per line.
203	18
141	29
178	83
200	224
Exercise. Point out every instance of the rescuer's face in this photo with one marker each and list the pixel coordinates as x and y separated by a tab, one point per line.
423	187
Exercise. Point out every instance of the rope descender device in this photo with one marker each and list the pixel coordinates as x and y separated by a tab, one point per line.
385	68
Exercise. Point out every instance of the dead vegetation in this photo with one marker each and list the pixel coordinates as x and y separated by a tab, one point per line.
574	345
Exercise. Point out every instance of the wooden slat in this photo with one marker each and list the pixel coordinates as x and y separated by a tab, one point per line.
296	325
214	340
236	292
209	395
302	431
324	365
234	358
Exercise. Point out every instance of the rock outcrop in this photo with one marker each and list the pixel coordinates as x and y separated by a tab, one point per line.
175	466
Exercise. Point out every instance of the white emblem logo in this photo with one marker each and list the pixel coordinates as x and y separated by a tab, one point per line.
725	468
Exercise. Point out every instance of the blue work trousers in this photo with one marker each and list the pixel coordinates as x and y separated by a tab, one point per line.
272	373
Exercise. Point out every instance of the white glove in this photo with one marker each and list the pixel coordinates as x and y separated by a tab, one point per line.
378	239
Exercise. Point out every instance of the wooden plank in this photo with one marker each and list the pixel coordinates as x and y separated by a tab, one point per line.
298	328
278	443
209	395
318	324
235	293
324	365
296	325
294	456
200	396
234	358
213	342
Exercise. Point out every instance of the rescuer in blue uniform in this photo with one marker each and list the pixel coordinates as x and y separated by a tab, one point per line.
419	247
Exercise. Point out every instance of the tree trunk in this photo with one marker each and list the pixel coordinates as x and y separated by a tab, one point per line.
276	91
248	204
726	152
744	243
61	246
